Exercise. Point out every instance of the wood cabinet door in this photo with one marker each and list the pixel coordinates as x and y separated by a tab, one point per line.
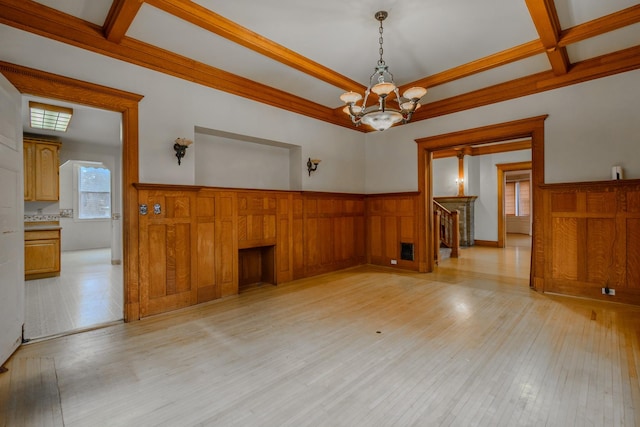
46	172
29	171
168	248
41	256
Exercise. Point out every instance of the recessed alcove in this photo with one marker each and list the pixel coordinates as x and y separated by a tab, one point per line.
230	160
256	266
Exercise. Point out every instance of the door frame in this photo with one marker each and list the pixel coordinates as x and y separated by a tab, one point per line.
41	83
533	128
502	217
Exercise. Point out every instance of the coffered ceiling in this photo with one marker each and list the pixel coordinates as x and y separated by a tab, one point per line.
301	56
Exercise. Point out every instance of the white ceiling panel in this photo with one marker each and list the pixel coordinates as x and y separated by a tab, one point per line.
95	11
574	12
512	71
156	27
421	37
606	43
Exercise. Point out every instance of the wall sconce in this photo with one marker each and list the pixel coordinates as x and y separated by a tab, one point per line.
460	184
312	165
180	146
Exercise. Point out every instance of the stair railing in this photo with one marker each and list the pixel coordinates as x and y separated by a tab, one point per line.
446	230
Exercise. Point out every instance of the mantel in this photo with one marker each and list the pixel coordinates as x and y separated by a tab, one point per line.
455	199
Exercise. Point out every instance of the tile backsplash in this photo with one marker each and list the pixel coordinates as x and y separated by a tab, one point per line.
41	218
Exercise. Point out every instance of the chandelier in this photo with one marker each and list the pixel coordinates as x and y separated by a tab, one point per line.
381	116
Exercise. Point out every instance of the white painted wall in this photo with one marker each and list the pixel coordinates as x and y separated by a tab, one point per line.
484	179
591	127
445	173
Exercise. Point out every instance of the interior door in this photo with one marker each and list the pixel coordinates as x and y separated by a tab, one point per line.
167	251
11	221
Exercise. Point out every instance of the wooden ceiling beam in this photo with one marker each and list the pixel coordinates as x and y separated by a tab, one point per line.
211	21
119	19
602	66
545	19
602	25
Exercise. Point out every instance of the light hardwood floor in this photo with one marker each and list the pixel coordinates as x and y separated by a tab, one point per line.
467	345
88	292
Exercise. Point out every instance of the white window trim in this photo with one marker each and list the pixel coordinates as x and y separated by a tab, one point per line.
77	164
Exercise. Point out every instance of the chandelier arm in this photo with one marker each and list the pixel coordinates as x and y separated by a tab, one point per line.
396	91
366	97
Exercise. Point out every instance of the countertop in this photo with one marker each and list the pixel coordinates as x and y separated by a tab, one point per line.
43	227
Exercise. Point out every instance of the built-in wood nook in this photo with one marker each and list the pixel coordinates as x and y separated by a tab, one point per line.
256	266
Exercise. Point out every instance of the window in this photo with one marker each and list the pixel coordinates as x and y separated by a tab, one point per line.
516	198
94	192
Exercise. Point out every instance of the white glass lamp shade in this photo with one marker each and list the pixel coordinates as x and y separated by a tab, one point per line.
355	108
383	88
381	120
184	142
408	106
414	93
350	97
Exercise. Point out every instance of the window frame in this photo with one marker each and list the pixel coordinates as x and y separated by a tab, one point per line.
76	190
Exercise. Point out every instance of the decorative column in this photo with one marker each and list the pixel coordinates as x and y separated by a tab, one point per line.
460	180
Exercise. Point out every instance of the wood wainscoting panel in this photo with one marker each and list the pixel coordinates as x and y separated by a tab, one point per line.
565	248
593	233
600	250
206	245
204	242
284	242
256	218
227	247
633	253
297	236
168	251
333	232
564	202
392	220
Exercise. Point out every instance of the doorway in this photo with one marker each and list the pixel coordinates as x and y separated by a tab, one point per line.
39	83
88	292
527	128
515	205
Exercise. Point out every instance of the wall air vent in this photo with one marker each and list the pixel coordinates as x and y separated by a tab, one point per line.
406	251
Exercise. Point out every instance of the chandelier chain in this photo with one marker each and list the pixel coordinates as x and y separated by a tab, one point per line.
380	40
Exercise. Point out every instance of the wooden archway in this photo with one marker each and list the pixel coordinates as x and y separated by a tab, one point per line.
40	83
526	128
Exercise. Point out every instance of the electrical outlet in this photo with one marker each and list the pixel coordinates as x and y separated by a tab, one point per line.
608	291
394	261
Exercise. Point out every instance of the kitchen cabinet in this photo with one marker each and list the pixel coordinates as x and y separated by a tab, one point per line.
41	253
41	170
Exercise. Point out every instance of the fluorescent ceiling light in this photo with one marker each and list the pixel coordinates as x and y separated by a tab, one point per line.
49	117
